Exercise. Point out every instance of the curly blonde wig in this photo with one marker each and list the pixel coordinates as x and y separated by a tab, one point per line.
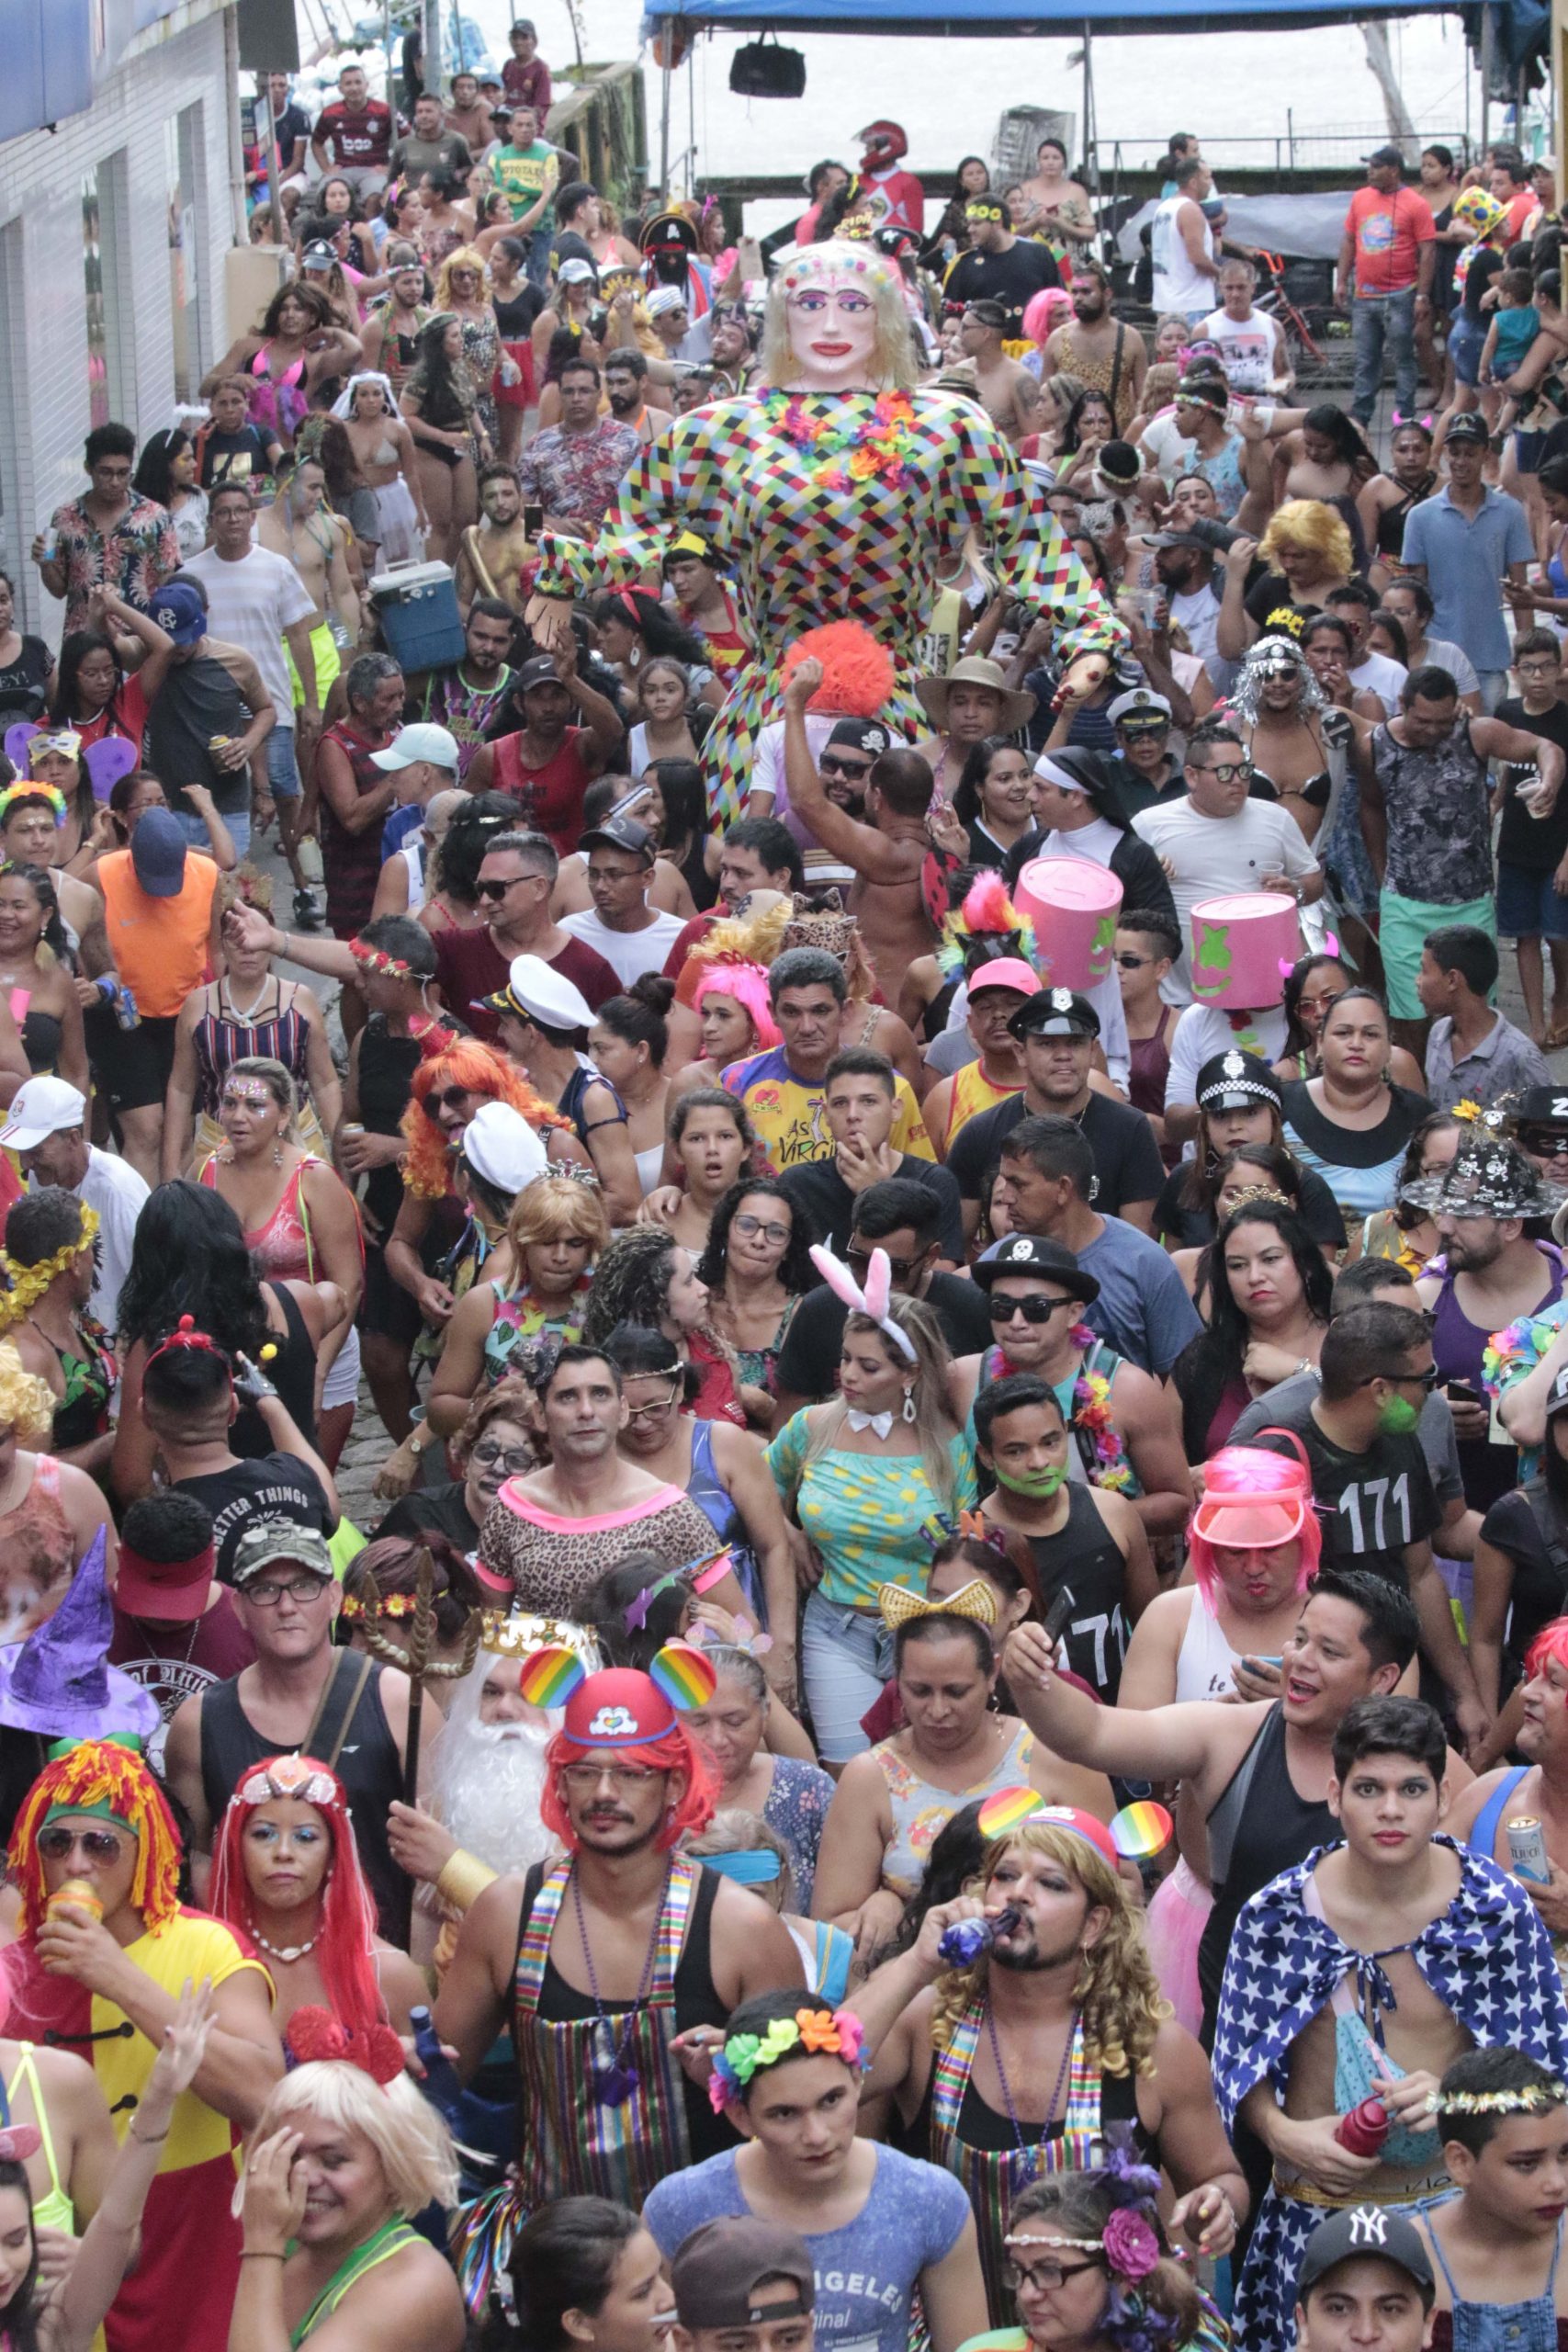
466	258
1116	1992
26	1403
1307	523
893	352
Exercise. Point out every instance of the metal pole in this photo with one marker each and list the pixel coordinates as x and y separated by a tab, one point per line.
386	45
1485	76
273	171
664	120
1091	136
431	75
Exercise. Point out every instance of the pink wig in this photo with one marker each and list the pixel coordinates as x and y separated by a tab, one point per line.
1550	1647
1253	1497
747	984
1046	311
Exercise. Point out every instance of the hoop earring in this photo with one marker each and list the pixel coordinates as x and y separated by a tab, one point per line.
908	1404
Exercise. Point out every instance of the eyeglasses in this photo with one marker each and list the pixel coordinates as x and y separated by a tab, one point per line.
1132	963
1427	1380
490	1454
1043	2274
1547	1143
855	773
584	1777
903	1267
445	1098
752	1226
659	1405
493	888
300	1587
1034	1310
57	1842
1226	775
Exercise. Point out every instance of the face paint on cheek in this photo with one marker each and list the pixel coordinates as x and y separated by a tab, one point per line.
1397	1416
1040	1483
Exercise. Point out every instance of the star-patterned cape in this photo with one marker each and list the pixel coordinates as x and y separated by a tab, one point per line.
804	553
1489	1960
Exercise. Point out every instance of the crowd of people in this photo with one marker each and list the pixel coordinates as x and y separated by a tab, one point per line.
945	1725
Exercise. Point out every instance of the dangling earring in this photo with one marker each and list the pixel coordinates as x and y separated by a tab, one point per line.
277	1151
908	1404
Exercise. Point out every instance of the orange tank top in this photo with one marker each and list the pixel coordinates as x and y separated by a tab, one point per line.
159	946
972	1093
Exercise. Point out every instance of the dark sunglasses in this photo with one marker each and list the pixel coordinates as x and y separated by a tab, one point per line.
861	1261
1427	1380
494	889
446	1098
99	1845
828	765
1033	1310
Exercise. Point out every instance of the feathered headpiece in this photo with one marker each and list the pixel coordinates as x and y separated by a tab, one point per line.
987	927
99	1776
733	957
874	1301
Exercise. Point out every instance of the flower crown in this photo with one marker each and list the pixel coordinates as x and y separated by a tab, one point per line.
820	2033
1530	2098
377	960
26	1284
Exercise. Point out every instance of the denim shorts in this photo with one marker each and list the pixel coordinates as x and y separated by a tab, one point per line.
1528	906
282	768
237	820
1528	447
846	1659
1466	337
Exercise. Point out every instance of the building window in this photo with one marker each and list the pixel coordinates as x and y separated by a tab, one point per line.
182	138
103	266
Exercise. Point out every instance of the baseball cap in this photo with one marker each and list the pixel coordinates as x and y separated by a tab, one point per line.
1054	1012
860	735
717	2270
412	744
1469	425
538	992
1252	1500
41	1107
1385	156
501	1147
277	1541
180	613
1031	1253
1142	707
539	669
1004	972
158	855
1173	540
1367	2232
620	832
575	271
172	1591
1232	1081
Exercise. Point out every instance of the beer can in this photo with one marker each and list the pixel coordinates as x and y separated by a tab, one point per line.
1527	1850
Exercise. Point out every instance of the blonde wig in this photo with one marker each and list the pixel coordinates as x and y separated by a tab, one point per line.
1117	1992
26	1403
934	1426
411	2142
558	1208
1307	523
464	257
893	352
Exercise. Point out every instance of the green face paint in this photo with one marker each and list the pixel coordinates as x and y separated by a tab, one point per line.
1041	1484
1397	1416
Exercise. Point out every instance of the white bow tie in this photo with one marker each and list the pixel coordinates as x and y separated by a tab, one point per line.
881	1424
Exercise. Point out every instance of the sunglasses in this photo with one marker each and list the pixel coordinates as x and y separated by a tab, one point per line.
516	1460
861	1261
446	1098
1132	963
494	889
1033	1310
1226	775
56	1843
1427	1380
828	765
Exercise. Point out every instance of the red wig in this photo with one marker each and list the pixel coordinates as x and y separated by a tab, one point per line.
857	672
1550	1647
99	1776
466	1062
345	1940
676	1752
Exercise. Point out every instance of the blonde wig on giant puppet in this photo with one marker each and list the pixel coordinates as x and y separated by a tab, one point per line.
892	367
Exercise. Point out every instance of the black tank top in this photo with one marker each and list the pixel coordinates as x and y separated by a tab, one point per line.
697	2001
366	1763
1084	1555
981	2126
292	1372
387	1064
1258	1827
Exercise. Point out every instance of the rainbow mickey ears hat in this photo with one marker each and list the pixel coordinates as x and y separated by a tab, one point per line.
618	1707
1137	1831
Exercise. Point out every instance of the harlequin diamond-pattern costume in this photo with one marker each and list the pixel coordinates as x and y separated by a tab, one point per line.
1488	1958
813	541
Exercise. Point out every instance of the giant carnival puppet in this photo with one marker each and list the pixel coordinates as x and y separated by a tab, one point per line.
833	496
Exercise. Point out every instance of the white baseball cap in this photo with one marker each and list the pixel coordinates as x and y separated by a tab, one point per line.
499	1145
43	1106
419	742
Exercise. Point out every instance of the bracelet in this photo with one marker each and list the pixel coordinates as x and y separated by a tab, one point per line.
148	2139
462	1879
262	2254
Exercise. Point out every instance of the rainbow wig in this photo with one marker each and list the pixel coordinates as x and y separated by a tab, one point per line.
346	1939
98	1776
857	671
1255	1488
678	1751
482	1069
1308	523
747	984
1550	1647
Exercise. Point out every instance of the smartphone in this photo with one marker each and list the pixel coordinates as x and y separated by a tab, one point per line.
1056	1616
1462	1393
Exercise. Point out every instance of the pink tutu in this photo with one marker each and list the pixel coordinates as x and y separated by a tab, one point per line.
1173	1929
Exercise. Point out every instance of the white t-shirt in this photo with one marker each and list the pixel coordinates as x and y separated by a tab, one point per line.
113	1188
1380	674
1202	1032
1198	615
767	767
1218	857
1248	346
629	953
250	604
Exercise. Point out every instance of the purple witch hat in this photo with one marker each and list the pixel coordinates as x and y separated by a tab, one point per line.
59	1681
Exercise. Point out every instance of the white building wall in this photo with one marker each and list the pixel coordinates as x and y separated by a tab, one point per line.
45	394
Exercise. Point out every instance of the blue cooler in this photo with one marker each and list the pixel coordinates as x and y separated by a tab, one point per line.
417	606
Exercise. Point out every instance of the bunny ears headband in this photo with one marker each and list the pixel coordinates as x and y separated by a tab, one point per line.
873	1300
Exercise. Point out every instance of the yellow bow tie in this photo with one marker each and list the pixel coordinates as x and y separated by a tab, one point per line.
899	1606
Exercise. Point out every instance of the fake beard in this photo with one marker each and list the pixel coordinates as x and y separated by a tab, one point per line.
488	1781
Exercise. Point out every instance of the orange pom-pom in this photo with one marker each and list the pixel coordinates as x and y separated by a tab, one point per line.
857	671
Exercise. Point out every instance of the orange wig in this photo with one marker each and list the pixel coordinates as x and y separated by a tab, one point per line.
678	1751
98	1776
857	672
462	1061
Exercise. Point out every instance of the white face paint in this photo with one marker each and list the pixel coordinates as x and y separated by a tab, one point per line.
832	333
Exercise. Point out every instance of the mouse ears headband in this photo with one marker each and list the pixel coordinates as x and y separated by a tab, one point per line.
1136	1833
618	1706
874	1301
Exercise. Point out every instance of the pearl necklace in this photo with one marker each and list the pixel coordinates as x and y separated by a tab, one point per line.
286	1952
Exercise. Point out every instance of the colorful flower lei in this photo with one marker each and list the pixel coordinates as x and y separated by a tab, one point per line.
395	1604
1091	1411
878	449
821	2034
378	960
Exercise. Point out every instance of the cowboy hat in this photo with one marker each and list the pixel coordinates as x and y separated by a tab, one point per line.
1017	709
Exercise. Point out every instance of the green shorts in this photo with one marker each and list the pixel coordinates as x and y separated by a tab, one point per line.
324	646
1403	931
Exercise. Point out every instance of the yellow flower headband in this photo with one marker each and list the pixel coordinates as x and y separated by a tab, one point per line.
28	1284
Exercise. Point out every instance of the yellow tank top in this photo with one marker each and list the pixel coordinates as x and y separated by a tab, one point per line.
54	2210
972	1093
